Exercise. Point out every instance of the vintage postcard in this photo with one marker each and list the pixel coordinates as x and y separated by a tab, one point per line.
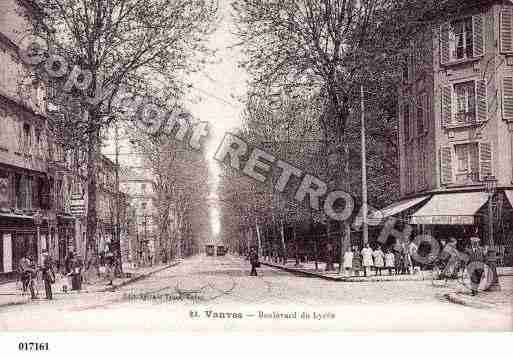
229	166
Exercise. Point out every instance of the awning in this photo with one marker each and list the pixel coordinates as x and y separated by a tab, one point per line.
17	216
376	217
509	194
450	208
401	206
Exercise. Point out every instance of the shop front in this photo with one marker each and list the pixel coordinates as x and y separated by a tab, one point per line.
18	237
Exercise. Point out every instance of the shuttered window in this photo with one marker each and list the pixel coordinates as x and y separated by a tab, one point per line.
446	106
420	114
446	165
485	160
462	39
427	112
507	98
506	30
478	35
406	121
482	105
445	50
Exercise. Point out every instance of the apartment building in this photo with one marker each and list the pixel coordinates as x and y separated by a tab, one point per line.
456	125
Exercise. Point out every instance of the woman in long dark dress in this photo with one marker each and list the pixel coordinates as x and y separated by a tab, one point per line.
357	261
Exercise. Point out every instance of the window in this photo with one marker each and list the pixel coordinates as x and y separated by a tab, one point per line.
420	114
465	98
406	118
464	103
462	39
143	206
462	42
143	187
26	142
20	189
467	162
4	189
38	142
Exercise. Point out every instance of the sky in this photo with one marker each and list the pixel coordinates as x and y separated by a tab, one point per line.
212	98
215	92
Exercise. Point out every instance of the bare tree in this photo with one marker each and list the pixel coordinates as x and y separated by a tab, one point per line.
119	47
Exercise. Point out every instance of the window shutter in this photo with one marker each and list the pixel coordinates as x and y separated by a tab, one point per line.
477	22
506	30
485	160
446	106
445	165
481	101
427	112
507	98
445	51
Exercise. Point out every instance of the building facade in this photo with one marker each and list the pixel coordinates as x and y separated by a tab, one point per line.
456	125
35	184
140	187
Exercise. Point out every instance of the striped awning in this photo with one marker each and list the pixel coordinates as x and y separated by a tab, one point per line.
450	208
376	217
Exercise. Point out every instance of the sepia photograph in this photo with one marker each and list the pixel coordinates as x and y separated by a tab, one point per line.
255	166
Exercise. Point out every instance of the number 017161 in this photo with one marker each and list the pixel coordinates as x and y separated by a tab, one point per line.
32	346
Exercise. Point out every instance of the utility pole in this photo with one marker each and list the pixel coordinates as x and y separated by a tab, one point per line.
364	170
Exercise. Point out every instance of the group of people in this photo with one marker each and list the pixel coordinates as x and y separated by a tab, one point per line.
396	260
73	269
28	272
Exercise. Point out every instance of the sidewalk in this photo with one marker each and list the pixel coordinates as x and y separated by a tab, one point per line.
308	269
11	295
502	300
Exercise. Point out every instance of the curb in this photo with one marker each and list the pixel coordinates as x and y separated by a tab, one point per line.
136	279
344	279
109	289
457	299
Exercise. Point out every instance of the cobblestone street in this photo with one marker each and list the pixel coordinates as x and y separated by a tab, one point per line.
208	285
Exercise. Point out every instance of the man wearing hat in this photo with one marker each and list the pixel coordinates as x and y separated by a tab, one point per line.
48	275
475	254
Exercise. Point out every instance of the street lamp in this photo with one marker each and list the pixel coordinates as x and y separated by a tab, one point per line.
490	187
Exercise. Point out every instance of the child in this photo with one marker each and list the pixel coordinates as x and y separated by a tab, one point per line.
357	261
379	262
348	261
389	261
368	263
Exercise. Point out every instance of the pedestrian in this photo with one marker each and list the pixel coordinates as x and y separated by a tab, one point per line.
389	261
48	275
27	274
407	260
348	261
475	255
368	263
109	263
357	261
398	260
76	272
329	257
253	259
412	250
379	259
68	268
